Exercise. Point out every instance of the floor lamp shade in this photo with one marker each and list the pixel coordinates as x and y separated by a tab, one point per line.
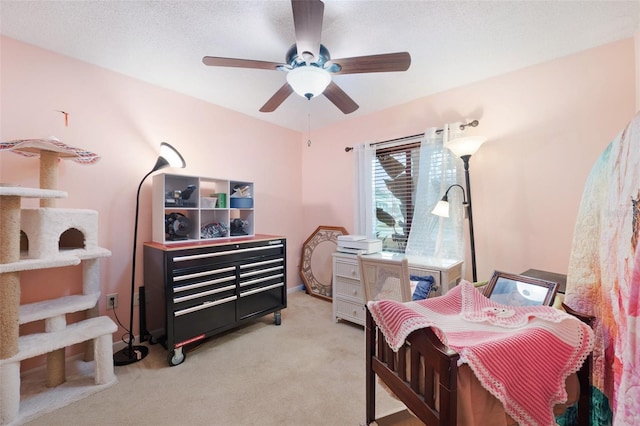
441	209
168	157
465	146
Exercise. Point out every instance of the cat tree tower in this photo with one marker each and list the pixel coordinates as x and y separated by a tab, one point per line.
41	238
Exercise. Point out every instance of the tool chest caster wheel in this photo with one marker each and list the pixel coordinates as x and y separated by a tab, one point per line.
176	357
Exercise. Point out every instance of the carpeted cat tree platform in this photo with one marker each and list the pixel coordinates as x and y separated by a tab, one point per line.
54	238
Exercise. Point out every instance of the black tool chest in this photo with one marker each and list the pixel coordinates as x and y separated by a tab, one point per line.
196	290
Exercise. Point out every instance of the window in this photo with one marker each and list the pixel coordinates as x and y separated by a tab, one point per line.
395	173
401	209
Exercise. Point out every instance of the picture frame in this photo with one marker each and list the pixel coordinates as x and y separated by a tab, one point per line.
520	290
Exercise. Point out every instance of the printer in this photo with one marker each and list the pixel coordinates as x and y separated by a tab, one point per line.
358	244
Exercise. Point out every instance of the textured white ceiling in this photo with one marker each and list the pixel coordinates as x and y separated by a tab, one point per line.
451	43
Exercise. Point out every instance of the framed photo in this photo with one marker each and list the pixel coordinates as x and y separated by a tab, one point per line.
519	290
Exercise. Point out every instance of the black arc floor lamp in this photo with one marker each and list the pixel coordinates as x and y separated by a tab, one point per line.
463	148
168	157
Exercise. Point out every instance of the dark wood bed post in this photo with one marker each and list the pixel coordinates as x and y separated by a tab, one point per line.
370	377
428	356
584	374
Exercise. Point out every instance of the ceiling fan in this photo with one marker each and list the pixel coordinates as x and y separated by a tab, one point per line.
309	66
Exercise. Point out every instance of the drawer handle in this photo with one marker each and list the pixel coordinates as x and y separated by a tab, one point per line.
205	305
203	284
259	280
260	290
261	271
266	262
223	253
203	294
202	274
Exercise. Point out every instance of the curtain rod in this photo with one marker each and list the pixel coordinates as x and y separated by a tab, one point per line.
473	123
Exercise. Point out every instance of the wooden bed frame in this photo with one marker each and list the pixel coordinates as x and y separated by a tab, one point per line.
429	361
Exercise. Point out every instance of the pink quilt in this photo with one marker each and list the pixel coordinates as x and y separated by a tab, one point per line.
522	355
604	275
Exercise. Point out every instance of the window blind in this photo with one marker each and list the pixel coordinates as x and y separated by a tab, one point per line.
395	174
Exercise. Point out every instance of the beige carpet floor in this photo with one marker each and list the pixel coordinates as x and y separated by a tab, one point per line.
308	371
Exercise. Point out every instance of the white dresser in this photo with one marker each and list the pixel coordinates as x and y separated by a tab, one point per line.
348	295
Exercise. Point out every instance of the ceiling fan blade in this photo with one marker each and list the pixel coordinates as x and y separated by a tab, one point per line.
277	98
335	94
214	61
307	21
386	62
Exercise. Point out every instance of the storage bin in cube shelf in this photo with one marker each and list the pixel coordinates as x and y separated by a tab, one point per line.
208	202
241	202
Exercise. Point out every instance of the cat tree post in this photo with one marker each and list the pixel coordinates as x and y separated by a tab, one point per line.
48	175
91	284
9	281
56	370
49	180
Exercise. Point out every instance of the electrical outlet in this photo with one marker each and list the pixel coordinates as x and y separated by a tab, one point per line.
112	301
136	299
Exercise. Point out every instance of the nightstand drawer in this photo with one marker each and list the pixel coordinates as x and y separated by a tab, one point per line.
350	311
348	270
345	287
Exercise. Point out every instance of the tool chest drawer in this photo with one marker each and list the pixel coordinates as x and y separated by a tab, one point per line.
225	253
198	319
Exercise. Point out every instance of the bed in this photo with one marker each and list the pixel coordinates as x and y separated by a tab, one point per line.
424	374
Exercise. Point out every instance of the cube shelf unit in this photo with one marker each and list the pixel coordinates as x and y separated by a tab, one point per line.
209	204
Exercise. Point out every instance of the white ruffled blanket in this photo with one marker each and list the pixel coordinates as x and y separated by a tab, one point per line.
522	355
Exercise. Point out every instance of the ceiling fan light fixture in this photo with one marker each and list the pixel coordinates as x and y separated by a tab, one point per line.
308	81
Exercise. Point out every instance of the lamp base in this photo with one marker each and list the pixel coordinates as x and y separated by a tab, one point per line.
126	355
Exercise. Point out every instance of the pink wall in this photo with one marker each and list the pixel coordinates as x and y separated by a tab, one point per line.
124	120
546	125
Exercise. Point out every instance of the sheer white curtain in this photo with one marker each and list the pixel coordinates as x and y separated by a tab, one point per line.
431	235
438	168
363	191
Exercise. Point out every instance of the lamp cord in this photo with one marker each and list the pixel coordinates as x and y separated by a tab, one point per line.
127	333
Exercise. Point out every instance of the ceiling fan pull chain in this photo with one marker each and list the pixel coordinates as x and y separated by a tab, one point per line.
309	129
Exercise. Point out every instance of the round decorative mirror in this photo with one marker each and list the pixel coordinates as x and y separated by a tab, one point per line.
316	268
